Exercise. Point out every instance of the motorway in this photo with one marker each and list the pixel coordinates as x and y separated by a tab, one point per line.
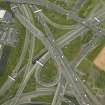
9	82
49	5
86	49
46	84
45	3
44	39
24	9
80	91
60	91
52	23
62	41
77	6
87	23
36	66
59	26
56	8
36	93
29	95
59	58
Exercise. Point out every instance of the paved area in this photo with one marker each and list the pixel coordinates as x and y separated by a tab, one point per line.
68	81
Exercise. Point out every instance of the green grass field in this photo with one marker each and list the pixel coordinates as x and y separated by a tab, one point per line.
14	54
43	98
87	7
57	32
48	72
31	85
70	51
87	66
58	18
68	4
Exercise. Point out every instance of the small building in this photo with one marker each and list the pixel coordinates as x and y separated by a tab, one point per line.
5	15
2	13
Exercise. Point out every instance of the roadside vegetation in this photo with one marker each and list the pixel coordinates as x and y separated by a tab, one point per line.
86	8
92	74
43	99
49	72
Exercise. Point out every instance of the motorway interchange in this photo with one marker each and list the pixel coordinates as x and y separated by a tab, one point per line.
68	81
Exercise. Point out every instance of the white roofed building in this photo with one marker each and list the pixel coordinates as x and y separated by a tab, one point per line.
2	13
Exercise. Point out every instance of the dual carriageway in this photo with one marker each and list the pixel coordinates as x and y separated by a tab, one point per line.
70	77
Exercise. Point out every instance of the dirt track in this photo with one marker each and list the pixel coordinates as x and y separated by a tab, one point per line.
100	60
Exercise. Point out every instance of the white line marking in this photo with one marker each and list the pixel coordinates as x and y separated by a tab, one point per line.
38	11
97	19
39	63
11	78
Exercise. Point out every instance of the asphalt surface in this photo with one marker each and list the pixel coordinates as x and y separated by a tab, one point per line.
68	75
60	57
8	37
